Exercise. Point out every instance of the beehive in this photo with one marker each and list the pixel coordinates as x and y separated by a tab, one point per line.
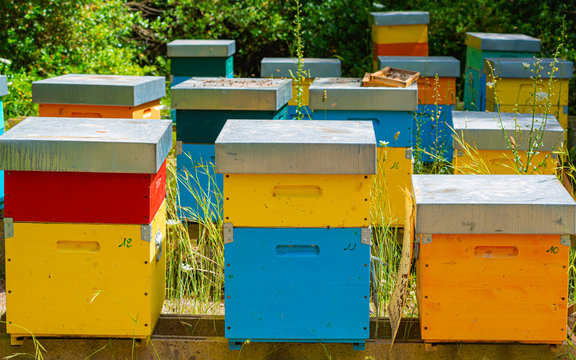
529	85
391	110
399	33
296	199
200	58
85	240
505	143
480	46
432	132
203	105
288	68
492	249
100	96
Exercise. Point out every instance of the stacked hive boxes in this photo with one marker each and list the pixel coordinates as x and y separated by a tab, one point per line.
200	58
3	92
85	226
399	33
533	86
487	143
436	99
391	110
203	105
481	46
492	249
100	96
297	241
288	68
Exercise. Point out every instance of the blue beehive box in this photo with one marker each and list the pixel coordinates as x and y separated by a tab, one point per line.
481	46
432	134
3	92
297	285
391	110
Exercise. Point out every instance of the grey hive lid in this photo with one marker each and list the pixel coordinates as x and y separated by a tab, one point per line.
296	147
443	66
86	145
485	130
399	18
112	90
231	94
3	85
288	67
492	204
529	68
502	42
201	48
348	94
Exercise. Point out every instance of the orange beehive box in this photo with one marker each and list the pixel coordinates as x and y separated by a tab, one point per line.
100	96
492	263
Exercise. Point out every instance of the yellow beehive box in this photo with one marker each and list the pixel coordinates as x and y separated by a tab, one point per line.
505	143
96	280
296	173
492	263
297	200
388	196
530	85
559	112
398	27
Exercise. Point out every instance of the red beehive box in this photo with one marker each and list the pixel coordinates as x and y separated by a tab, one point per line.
83	197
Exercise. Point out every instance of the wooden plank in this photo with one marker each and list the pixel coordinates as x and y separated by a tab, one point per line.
398	299
173	339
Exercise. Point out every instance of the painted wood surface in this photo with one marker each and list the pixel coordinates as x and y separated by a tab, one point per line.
400	49
480	288
287	200
297	285
70	197
387	196
85	279
501	162
392	127
150	110
202	66
204	126
397	34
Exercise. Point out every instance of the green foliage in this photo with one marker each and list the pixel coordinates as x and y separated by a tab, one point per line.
45	38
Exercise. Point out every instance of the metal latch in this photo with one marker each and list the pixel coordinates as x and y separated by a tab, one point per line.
426	239
408	153
366	236
8	228
158	242
146	232
178	147
228	230
565	240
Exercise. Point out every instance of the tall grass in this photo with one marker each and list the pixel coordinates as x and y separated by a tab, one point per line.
194	266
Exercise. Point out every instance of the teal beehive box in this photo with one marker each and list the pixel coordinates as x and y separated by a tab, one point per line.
201	58
480	46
